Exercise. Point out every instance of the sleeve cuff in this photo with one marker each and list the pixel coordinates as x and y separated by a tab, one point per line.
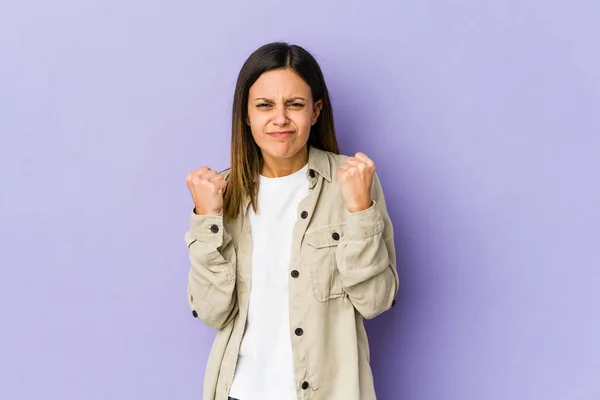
364	224
207	228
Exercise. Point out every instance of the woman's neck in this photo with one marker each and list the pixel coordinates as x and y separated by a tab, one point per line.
279	167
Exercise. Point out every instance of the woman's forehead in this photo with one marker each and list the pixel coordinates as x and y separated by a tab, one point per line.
279	83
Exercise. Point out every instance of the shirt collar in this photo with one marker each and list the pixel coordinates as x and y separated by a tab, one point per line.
318	162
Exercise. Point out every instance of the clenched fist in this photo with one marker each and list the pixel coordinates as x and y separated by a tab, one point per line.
206	187
355	177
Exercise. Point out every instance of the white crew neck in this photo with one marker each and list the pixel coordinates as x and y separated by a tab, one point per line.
291	177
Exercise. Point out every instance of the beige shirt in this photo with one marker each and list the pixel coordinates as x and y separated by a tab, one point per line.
342	269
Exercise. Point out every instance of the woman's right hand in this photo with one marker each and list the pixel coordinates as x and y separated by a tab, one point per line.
206	187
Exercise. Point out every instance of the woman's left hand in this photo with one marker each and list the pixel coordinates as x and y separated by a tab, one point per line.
355	177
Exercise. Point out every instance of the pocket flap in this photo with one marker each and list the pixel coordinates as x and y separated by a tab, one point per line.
327	236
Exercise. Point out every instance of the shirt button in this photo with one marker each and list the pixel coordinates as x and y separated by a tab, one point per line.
311	173
335	236
304	385
195	314
295	274
304	215
299	332
214	229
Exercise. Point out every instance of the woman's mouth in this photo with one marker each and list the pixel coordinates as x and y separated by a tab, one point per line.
280	134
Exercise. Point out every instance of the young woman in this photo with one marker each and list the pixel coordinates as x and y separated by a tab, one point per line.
292	247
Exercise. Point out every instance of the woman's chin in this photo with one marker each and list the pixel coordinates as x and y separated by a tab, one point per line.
283	149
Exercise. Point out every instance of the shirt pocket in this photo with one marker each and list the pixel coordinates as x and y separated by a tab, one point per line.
322	244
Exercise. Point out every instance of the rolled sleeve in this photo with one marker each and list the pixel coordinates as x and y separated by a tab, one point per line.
207	229
364	224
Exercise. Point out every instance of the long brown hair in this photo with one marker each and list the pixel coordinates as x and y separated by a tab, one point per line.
246	157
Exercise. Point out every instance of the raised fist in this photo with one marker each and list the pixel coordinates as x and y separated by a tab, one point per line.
206	187
355	178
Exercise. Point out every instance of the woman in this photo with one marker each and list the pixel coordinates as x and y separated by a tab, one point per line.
291	247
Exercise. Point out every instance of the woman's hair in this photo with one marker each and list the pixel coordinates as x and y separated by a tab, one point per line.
246	158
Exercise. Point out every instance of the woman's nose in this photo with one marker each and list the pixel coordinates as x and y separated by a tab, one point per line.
281	117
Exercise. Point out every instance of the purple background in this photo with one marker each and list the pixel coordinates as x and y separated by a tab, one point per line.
482	116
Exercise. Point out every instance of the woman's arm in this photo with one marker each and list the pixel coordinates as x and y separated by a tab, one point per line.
211	279
366	257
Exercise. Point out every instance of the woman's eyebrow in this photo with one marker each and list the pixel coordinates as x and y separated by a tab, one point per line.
271	101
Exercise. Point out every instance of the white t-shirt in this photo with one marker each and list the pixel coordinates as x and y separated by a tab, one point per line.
265	368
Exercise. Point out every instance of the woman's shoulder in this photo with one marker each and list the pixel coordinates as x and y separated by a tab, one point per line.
334	159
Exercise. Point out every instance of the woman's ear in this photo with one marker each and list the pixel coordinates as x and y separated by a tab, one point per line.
317	111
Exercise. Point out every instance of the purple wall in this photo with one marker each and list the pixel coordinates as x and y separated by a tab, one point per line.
483	118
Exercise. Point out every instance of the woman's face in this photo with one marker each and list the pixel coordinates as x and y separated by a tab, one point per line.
280	114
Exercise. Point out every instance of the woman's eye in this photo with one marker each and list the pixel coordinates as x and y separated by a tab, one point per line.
262	105
297	105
